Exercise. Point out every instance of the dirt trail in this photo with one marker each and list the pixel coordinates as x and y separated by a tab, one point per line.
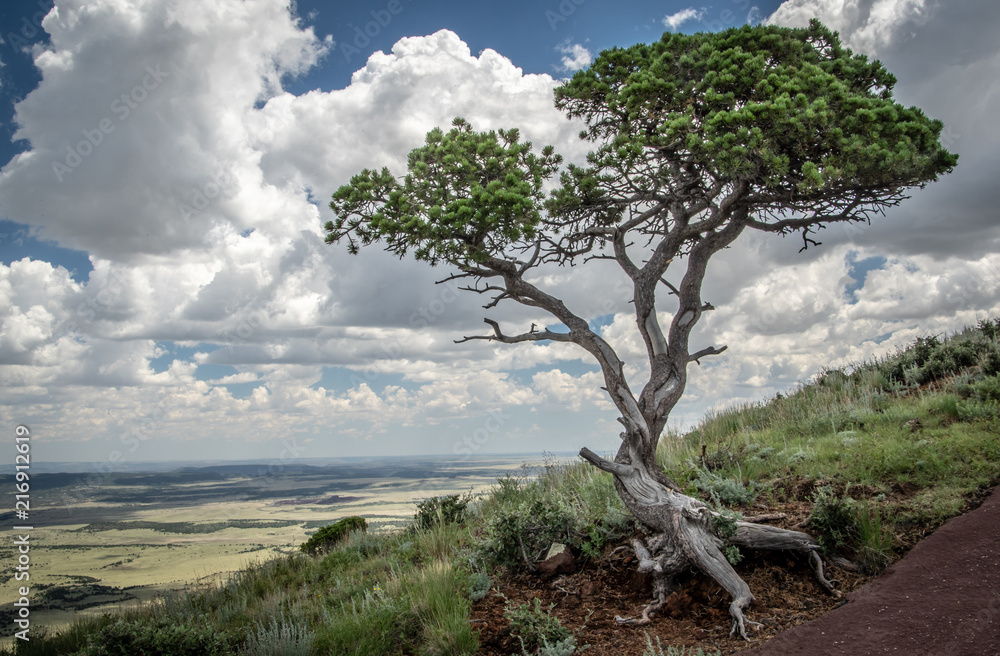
941	599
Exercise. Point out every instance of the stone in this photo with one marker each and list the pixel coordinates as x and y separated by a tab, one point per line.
559	560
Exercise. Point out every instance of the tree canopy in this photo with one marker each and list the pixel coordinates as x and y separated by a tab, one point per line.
696	139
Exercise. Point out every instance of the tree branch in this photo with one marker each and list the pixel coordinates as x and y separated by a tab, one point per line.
498	336
615	468
711	350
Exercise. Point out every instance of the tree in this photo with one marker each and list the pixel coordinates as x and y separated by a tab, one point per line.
697	138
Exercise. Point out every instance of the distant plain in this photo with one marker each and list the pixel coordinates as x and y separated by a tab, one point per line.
103	540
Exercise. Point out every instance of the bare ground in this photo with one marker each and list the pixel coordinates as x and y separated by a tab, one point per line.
942	598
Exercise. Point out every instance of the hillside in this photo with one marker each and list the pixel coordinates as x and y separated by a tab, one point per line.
869	460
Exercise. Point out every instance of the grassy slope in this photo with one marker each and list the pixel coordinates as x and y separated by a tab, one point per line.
889	450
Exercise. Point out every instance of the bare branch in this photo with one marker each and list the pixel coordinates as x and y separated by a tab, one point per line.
673	290
711	350
531	261
613	467
498	336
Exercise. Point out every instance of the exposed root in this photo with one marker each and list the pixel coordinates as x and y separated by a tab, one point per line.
687	535
740	621
663	587
817	564
663	562
844	564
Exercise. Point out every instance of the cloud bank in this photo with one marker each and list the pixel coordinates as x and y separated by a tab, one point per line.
163	142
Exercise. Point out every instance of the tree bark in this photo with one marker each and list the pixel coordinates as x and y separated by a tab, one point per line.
685	536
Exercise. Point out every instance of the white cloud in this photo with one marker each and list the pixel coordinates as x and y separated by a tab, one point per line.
575	56
200	214
139	95
575	393
674	21
866	25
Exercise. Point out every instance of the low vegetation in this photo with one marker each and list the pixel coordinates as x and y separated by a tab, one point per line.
882	453
328	537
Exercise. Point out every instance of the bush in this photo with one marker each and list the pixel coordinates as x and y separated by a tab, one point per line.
657	650
846	523
987	389
834	520
538	630
324	539
726	491
479	585
516	536
165	637
284	639
450	509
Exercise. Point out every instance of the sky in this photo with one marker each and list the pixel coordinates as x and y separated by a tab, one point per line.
165	292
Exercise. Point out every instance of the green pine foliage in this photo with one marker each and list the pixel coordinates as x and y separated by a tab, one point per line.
790	110
467	195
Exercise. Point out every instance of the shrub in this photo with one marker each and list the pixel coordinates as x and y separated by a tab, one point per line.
450	509
517	535
974	410
726	491
324	539
834	520
538	629
657	650
987	389
989	329
725	527
846	523
165	637
284	639
479	585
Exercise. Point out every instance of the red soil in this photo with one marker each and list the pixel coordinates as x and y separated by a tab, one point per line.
942	598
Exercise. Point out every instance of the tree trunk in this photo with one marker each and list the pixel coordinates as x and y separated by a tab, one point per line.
686	534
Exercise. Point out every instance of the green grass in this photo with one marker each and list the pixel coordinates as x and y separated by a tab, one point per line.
890	446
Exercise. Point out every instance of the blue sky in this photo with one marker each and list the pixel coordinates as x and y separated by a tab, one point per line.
165	293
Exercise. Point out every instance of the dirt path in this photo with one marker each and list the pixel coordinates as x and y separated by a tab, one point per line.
941	599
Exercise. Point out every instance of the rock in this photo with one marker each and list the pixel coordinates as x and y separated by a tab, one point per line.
559	560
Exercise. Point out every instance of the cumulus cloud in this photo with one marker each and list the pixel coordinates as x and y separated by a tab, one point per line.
674	21
866	25
194	201
159	110
575	56
214	311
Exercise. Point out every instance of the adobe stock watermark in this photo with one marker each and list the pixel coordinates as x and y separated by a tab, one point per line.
109	291
141	430
727	17
291	450
31	28
203	195
363	34
562	12
250	323
474	442
122	107
422	317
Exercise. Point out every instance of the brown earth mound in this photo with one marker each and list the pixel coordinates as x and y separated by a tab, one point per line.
943	598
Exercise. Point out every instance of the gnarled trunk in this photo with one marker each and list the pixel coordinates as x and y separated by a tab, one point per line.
685	535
